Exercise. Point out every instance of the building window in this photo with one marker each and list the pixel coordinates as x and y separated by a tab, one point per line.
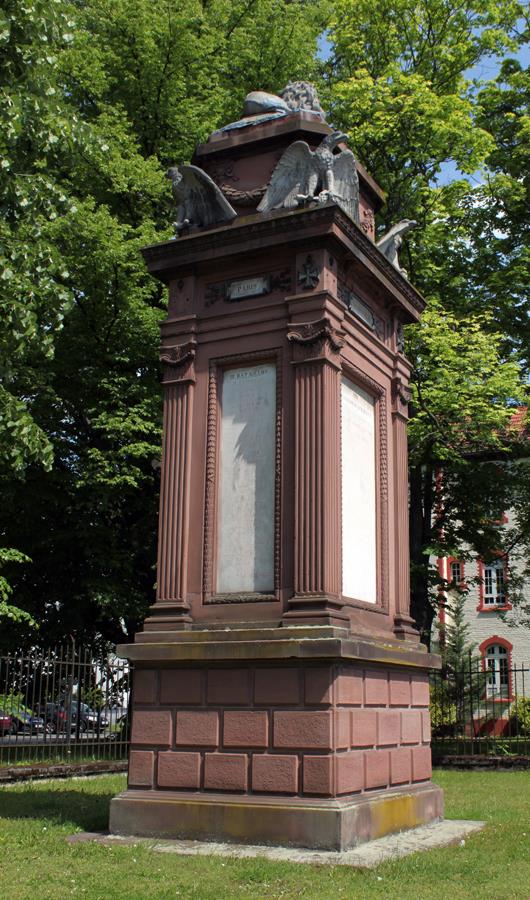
496	656
456	572
494	583
493	576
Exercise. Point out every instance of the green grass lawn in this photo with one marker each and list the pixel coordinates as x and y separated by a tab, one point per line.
36	861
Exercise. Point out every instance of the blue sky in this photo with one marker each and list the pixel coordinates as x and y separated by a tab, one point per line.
485	70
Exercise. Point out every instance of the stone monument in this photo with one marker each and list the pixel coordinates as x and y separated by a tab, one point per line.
280	690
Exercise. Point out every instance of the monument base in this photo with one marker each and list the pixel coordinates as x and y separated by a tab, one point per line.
301	736
331	824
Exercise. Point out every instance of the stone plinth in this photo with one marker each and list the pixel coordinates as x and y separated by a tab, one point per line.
301	736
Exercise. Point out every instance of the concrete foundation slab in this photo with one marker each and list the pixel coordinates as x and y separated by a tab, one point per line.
366	856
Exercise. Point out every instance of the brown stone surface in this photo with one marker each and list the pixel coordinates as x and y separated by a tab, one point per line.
400	766
145	685
364	727
388	727
376	688
318	686
350	772
276	774
377	768
151	727
225	771
318	775
421	763
179	770
420	690
350	687
228	686
277	686
181	686
399	684
303	730
245	729
199	729
411	726
141	768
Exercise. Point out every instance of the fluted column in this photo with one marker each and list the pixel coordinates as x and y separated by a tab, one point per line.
317	538
171	609
403	623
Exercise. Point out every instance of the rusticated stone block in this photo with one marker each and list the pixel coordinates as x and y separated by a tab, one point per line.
225	771
318	685
230	687
388	727
275	774
426	726
181	686
375	688
151	727
400	765
421	763
377	768
198	729
420	690
350	772
245	729
141	768
145	684
400	693
342	729
277	686
411	726
318	775
349	690
363	727
303	730
179	770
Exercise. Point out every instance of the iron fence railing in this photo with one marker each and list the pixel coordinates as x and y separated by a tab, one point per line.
65	705
480	707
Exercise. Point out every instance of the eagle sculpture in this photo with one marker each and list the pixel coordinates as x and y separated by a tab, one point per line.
303	175
391	242
199	200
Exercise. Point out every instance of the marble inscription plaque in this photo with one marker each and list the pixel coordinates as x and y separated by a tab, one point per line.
248	287
245	523
359	552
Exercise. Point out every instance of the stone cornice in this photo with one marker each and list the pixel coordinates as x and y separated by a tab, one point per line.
259	231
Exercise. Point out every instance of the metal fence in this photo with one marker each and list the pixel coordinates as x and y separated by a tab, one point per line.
481	707
66	705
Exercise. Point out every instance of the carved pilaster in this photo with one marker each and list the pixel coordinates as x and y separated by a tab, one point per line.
403	623
317	574
171	609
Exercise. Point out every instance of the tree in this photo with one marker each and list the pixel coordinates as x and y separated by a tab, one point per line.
137	85
398	81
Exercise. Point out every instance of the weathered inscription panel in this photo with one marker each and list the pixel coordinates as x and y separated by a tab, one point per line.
245	527
359	554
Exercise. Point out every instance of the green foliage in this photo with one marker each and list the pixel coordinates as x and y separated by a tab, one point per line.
13	704
520	716
106	94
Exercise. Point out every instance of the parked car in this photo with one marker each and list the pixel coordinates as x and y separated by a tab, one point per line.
26	722
60	716
6	722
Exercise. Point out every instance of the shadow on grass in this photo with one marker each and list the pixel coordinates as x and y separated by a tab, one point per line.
89	811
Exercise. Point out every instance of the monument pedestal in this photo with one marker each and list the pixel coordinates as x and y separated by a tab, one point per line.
302	736
280	691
